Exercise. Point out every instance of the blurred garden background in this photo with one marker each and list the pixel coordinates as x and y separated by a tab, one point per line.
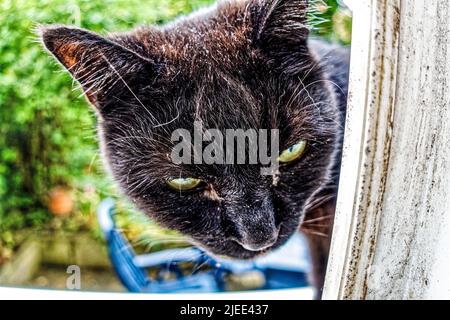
51	177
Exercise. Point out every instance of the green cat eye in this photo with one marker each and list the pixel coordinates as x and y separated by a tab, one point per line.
183	184
293	152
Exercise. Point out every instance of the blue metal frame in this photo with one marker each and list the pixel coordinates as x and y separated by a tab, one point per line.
286	268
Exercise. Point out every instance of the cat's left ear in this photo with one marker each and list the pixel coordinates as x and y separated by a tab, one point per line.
280	25
98	64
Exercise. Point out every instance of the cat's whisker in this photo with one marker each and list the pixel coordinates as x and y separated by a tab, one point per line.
295	97
318	219
313	225
168	122
88	90
319	62
315	233
150	244
175	255
121	139
333	83
199	266
91	163
129	88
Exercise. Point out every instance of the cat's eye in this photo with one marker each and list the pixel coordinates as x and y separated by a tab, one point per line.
183	184
293	152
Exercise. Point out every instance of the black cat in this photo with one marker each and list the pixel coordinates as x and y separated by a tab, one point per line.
238	65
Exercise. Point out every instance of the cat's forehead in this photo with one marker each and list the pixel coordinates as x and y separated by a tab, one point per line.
218	36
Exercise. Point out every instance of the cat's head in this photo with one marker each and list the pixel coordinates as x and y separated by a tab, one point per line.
239	65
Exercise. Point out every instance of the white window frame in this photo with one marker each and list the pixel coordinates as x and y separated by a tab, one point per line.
391	237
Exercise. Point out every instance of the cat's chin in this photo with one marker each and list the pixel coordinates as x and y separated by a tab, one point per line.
231	249
234	251
239	254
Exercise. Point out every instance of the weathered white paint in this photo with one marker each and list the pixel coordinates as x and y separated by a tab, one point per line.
392	230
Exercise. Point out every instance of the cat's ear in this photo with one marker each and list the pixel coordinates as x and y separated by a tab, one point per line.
98	64
281	25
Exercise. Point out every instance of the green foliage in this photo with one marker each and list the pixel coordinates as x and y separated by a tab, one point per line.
331	21
47	131
47	135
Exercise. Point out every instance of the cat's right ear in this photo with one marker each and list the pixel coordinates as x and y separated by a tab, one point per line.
280	26
98	64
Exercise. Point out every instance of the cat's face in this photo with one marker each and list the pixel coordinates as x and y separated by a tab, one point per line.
239	66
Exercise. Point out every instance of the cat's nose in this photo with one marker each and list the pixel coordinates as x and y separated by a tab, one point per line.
253	219
259	240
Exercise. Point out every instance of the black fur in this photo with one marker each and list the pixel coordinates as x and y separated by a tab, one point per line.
239	65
